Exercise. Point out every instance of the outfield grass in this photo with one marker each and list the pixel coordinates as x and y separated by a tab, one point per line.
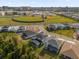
29	18
59	19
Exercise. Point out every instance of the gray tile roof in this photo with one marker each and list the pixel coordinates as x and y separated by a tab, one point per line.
55	43
37	43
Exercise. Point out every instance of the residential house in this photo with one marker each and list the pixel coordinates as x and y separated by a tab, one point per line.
28	34
70	50
76	36
75	25
4	28
39	40
1	28
21	29
36	42
67	26
52	27
13	28
54	45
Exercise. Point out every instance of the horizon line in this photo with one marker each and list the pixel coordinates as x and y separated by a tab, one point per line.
39	6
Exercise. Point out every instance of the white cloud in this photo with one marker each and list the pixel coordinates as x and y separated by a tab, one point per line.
68	0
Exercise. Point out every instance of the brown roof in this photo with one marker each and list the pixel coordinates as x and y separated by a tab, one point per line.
71	50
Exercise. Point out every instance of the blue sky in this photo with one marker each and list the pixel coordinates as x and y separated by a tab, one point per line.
40	3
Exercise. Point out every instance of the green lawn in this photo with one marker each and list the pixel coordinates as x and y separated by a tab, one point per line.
4	20
59	19
8	21
50	19
29	18
48	55
68	33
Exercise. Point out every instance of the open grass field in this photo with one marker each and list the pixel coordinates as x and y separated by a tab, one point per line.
68	33
50	19
29	18
8	21
59	19
4	20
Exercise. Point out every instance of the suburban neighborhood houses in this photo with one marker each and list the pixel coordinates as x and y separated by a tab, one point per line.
46	32
66	49
52	27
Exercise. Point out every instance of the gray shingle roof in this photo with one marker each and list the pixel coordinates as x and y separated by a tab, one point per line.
55	43
37	43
